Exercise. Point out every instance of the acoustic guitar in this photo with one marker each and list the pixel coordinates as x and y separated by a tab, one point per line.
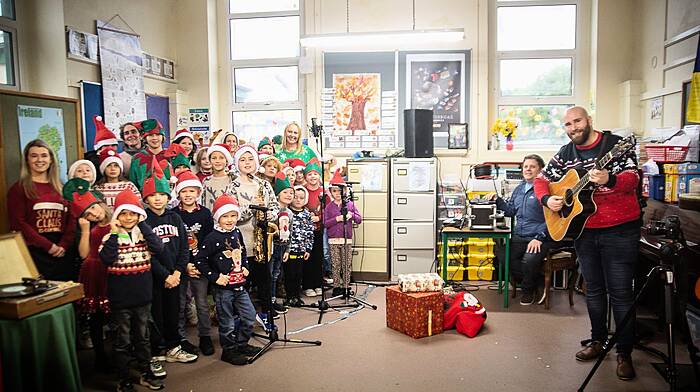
578	199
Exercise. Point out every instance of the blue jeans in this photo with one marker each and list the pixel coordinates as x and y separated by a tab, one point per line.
276	267
228	304
199	287
132	333
326	254
608	259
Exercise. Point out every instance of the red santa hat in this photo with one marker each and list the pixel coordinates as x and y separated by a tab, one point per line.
222	148
109	155
465	313
74	167
127	200
337	179
225	204
186	179
296	164
181	133
103	136
306	192
244	148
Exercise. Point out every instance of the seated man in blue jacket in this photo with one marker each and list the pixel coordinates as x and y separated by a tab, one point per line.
529	240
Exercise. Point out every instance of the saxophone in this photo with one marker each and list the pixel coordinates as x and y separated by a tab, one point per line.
258	234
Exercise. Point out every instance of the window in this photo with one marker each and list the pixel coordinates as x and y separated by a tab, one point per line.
266	87
535	68
7	9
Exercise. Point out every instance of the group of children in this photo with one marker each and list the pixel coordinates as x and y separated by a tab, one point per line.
186	224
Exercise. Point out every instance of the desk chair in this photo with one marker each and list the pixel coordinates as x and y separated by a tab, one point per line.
559	259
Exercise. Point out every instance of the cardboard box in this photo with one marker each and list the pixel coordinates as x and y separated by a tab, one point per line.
16	263
415	314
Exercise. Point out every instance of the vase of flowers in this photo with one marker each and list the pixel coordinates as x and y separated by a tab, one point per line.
506	127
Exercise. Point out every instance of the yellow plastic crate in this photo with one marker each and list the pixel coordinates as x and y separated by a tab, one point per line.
455	272
479	259
480	273
477	195
480	245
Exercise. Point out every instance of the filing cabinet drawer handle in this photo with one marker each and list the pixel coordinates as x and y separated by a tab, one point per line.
401	258
402	172
355	253
402	200
355	198
354	170
401	230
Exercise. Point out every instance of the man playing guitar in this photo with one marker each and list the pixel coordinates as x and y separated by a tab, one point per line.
608	246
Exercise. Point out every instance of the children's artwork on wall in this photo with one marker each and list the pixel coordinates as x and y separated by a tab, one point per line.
43	123
656	107
357	103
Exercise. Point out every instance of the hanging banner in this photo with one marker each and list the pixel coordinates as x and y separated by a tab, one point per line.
122	76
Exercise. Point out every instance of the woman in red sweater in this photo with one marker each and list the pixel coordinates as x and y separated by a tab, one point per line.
37	210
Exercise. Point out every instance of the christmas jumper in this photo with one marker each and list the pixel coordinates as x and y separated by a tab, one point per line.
302	231
175	255
198	224
140	168
223	253
111	190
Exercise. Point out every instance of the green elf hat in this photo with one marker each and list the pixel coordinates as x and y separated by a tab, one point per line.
78	192
157	182
313	165
152	127
265	142
281	183
277	139
177	156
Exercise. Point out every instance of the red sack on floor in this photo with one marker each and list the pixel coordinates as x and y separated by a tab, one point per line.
465	312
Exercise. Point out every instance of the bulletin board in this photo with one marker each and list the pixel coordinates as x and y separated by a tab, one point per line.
91	105
12	104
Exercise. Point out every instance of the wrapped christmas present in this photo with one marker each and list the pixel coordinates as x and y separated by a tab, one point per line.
413	283
415	314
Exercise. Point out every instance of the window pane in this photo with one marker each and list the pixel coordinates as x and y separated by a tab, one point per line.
253	126
7	9
536	77
238	6
536	27
257	38
7	72
540	125
270	84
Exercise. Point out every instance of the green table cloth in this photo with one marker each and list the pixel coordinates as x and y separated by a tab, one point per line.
38	352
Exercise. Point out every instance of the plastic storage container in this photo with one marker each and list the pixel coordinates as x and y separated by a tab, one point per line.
480	245
480	273
480	259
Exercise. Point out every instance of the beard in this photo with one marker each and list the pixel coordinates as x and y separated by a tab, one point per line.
581	138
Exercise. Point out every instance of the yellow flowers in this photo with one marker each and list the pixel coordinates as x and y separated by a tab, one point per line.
505	126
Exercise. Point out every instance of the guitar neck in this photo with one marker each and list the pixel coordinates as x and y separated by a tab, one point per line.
599	165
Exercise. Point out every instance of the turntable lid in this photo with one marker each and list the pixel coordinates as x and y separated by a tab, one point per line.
15	261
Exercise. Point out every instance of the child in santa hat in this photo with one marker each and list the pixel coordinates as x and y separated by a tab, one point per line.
104	138
112	181
221	180
185	138
338	217
222	260
198	223
127	251
82	168
170	264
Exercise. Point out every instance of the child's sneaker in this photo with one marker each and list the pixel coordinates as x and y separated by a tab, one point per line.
310	292
157	369
150	382
125	386
177	354
318	291
279	308
205	345
234	357
262	320
248	350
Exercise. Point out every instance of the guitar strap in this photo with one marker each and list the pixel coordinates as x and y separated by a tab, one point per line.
603	145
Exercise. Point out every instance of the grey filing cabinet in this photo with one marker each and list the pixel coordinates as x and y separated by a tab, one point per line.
413	208
370	256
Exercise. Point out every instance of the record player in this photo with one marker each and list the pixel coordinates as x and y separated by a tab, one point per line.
22	291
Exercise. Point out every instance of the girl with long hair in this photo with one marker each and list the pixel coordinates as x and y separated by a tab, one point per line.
112	181
37	209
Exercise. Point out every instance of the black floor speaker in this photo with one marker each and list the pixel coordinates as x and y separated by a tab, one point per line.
418	133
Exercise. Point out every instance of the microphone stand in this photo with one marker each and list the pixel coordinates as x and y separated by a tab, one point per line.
322	304
272	335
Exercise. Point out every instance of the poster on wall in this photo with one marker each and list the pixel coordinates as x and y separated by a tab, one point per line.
198	121
37	122
435	82
122	76
356	108
82	45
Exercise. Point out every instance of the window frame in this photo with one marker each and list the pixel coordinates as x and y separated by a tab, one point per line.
15	55
232	65
576	55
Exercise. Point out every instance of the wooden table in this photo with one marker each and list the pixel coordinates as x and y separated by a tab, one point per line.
453	232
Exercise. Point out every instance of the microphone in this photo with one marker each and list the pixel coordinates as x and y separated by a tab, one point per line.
258	208
352	182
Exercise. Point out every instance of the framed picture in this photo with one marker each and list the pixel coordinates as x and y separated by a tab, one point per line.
25	116
458	136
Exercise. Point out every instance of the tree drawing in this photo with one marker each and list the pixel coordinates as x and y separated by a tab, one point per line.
356	89
52	137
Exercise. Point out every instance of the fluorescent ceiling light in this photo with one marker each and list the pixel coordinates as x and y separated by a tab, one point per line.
383	38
